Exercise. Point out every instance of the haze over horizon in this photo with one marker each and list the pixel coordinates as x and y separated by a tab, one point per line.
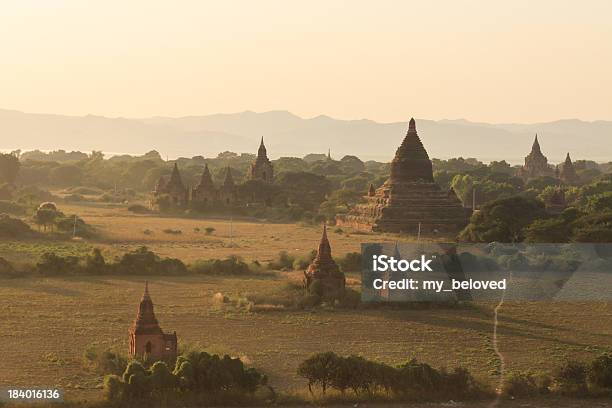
525	62
287	134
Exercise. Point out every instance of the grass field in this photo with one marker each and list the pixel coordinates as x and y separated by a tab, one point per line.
120	230
47	323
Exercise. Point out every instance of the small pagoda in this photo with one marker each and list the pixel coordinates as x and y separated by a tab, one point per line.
261	168
173	187
323	276
568	172
147	340
205	192
409	201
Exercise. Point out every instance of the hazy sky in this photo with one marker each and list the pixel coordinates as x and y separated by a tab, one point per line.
498	61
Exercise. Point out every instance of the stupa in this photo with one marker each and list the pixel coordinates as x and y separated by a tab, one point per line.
568	172
409	200
323	277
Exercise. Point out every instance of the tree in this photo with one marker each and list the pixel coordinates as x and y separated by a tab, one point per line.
503	220
593	228
351	165
554	230
45	217
319	370
599	202
66	175
95	262
9	168
600	371
306	190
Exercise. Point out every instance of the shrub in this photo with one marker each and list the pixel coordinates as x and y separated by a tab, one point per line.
84	190
13	227
138	209
51	264
283	262
12	208
521	384
570	378
6	269
74	198
303	261
144	262
600	371
351	262
72	224
104	361
95	263
172	231
232	265
209	230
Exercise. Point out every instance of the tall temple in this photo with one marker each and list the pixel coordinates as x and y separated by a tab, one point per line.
323	276
536	164
409	198
147	339
261	169
568	172
173	187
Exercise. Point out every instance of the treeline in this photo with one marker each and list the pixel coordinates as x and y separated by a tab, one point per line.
367	379
202	379
526	217
47	217
143	262
414	381
198	379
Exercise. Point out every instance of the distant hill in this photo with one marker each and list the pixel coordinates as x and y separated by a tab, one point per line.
289	135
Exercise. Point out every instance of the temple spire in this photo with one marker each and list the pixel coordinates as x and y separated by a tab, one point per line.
229	180
324	247
411	162
175	177
262	152
536	145
145	321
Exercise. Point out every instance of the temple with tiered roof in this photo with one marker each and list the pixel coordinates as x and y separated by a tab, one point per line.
536	164
173	187
409	201
147	340
261	169
323	276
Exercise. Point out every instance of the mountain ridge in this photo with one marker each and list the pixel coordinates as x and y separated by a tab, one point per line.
287	134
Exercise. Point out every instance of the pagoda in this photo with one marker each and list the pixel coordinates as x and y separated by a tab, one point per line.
261	169
409	201
147	339
536	164
205	192
173	187
323	276
227	192
568	172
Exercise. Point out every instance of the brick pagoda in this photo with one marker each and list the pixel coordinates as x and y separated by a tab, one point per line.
409	197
